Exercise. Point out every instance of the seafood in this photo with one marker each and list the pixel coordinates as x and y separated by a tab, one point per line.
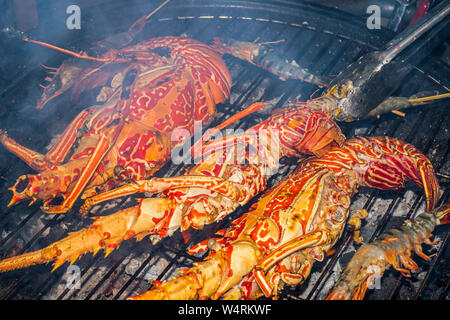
392	248
156	86
76	76
206	193
297	222
261	55
362	90
148	90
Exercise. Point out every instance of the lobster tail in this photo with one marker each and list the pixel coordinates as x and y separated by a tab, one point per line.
415	166
208	279
320	134
386	163
430	185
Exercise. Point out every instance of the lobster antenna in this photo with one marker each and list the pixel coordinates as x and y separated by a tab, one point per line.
442	175
157	9
272	42
48	68
81	55
430	98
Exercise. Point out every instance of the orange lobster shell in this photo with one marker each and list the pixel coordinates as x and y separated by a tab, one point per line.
168	83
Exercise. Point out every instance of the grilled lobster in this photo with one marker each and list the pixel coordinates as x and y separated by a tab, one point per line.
228	176
297	222
156	86
148	90
391	248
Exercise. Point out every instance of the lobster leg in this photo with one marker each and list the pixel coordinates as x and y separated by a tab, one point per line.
87	173
155	185
254	107
56	154
211	278
32	158
355	222
308	240
220	144
59	151
285	273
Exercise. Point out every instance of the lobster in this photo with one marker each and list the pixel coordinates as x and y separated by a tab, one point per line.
156	86
148	91
392	248
297	222
94	154
228	176
76	76
360	91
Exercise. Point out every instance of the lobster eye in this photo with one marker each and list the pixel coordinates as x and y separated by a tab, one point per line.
22	184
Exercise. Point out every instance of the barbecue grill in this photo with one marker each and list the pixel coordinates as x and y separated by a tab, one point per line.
321	38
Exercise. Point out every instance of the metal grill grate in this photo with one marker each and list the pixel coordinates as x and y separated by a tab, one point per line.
308	40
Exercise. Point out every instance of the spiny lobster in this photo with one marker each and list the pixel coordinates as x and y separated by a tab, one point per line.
297	222
206	193
148	90
391	248
156	86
